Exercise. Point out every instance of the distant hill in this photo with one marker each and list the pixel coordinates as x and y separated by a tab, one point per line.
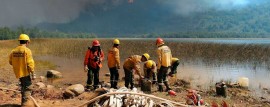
146	17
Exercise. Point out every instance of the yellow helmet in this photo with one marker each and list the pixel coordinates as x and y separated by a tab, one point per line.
149	64
116	41
24	37
146	55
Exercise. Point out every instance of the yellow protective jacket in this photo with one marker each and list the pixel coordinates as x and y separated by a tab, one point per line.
22	61
174	60
133	63
153	70
164	56
113	57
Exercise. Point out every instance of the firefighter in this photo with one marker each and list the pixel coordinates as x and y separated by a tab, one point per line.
164	63
131	66
92	64
114	63
23	66
174	65
150	71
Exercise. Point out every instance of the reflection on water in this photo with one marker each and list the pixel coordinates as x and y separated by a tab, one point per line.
207	75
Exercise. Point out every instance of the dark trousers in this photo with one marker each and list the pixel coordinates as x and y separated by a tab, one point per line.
162	77
148	75
25	88
114	77
174	67
129	78
93	74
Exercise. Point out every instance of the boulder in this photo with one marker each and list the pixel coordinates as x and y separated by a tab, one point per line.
53	74
74	90
40	85
42	78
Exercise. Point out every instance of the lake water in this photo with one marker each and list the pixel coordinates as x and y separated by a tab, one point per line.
199	73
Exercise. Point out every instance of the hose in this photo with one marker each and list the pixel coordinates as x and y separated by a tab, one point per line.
141	94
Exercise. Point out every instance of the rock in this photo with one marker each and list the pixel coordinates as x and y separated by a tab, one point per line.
53	74
50	87
40	85
42	78
107	74
74	90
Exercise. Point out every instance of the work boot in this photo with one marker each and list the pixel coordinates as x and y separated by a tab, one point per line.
112	84
167	86
115	85
160	88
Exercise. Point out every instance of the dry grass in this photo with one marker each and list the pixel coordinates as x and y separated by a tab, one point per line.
207	52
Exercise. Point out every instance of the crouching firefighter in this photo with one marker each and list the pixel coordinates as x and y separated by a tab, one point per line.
92	64
174	65
23	66
131	66
150	76
114	63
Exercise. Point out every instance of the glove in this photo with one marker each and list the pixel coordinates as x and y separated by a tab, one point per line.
86	68
154	82
33	76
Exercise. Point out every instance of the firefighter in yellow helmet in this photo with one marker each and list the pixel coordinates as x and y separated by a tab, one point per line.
23	66
150	71
164	63
174	65
114	63
131	66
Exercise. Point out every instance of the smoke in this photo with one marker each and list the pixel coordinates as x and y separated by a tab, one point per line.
32	12
186	7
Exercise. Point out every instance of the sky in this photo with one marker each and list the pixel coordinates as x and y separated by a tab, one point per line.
16	13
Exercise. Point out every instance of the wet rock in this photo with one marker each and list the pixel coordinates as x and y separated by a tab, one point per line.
40	85
53	74
74	90
107	74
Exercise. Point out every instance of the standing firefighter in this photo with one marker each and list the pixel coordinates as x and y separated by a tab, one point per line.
23	66
114	63
174	65
92	64
164	63
131	66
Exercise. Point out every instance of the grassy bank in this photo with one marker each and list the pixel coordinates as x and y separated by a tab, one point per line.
208	52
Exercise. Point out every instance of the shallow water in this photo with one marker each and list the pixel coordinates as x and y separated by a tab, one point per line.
198	72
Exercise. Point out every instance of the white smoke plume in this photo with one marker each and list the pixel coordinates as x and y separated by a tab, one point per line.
186	7
32	12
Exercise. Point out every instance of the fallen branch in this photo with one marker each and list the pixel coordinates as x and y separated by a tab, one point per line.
35	102
3	88
141	94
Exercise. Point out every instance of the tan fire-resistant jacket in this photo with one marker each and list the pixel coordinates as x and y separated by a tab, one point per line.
133	63
113	57
22	61
153	70
164	56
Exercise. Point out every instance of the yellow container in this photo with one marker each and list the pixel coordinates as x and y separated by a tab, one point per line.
243	82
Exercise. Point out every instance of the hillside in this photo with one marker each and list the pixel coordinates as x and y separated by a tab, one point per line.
143	17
